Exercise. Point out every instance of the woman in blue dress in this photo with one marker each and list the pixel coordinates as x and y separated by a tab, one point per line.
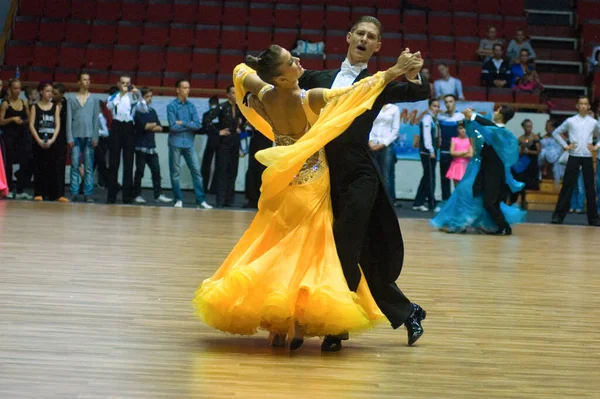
464	212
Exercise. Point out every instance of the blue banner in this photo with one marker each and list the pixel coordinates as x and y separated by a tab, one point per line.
410	117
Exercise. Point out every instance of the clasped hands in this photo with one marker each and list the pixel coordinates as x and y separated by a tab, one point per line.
409	64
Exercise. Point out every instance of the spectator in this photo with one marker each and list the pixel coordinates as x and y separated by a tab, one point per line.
58	97
448	128
122	139
209	119
529	83
383	133
44	125
527	169
101	150
146	124
486	46
461	151
496	71
447	84
83	126
594	59
230	126
183	124
14	118
428	144
516	45
550	154
255	169
425	74
523	67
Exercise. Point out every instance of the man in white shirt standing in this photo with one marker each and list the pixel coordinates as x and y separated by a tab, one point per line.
428	144
122	138
581	128
383	134
448	122
447	84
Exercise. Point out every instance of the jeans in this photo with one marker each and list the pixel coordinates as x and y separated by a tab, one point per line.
385	161
426	190
578	197
141	160
191	159
82	145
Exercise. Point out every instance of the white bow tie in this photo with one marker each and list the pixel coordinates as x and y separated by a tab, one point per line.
353	70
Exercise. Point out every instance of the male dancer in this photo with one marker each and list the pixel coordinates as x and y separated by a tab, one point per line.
491	180
365	225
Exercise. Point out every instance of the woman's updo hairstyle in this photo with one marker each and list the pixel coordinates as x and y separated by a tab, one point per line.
267	63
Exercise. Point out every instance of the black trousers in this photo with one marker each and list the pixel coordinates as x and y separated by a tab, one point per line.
122	138
228	158
568	185
100	161
366	232
491	184
45	172
255	168
141	160
207	159
18	149
426	190
445	162
61	162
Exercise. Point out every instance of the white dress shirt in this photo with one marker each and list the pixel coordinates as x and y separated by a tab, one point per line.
428	122
349	73
122	106
581	132
386	125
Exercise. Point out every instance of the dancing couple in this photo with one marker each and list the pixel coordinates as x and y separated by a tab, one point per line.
476	205
323	253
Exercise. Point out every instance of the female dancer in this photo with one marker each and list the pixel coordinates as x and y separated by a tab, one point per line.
465	211
284	274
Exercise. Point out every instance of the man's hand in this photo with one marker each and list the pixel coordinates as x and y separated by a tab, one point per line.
224	132
414	66
432	155
592	147
178	122
570	147
94	143
468	113
402	62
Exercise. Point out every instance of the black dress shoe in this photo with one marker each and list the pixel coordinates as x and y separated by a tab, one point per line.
413	324
595	222
506	231
556	220
296	343
331	343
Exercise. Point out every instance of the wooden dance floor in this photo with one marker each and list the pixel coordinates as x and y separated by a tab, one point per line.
95	302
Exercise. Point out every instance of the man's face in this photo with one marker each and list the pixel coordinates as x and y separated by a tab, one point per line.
183	91
57	96
124	84
498	52
434	108
492	33
231	94
84	81
425	73
363	42
450	103
583	105
520	36
444	71
148	98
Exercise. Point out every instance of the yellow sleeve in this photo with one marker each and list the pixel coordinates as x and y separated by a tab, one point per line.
240	73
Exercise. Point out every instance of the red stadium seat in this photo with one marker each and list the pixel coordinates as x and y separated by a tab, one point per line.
512	8
587	10
286	38
511	24
208	36
439	5
228	59
312	35
233	37
129	33
78	31
440	23
103	32
25	28
414	22
465	24
259	38
148	79
312	17
45	54
358	10
83	9
156	34
98	56
334	61
417	43
470	73
261	14
391	45
442	47
52	30
125	58
108	10
475	93
133	10
170	78
99	76
464	5
65	75
57	8
286	16
182	35
204	61
337	18
72	55
500	95
390	18
178	60
312	61
234	14
31	8
487	7
41	74
150	59
466	48
186	11
203	81
18	53
487	20
224	81
335	42
159	11
526	98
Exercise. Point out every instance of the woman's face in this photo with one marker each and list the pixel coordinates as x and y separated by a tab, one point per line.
15	89
290	69
528	127
46	93
462	133
524	57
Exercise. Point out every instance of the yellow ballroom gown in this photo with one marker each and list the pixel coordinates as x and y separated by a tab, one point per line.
285	268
